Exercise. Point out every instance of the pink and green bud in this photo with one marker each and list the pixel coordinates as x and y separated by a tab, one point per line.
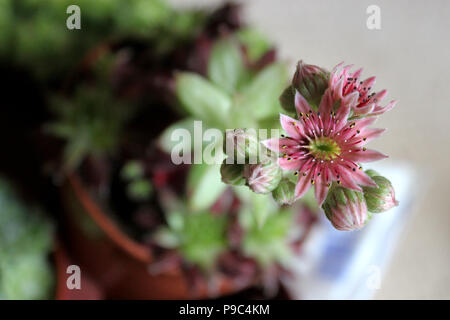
284	194
232	174
241	144
262	177
382	197
346	209
311	82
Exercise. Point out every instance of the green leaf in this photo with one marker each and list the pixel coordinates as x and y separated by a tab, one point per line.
262	208
202	99
269	243
259	206
260	96
166	238
133	169
255	43
272	122
165	139
139	189
226	66
203	238
204	186
175	220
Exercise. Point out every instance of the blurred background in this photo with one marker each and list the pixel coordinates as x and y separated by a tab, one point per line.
409	56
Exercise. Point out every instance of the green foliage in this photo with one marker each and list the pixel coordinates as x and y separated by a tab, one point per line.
267	242
25	242
91	123
139	189
255	43
204	186
226	67
203	100
232	97
200	237
132	170
256	207
259	98
34	33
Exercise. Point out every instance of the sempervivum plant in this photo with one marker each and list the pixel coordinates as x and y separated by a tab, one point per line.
116	117
325	144
219	219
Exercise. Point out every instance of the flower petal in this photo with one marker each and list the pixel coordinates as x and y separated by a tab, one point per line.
291	126
368	83
272	144
362	123
335	73
290	163
363	179
364	109
303	185
347	103
281	145
347	180
357	74
365	156
301	105
379	96
338	89
380	110
371	133
326	105
320	189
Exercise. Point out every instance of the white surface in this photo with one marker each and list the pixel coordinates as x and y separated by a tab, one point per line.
349	265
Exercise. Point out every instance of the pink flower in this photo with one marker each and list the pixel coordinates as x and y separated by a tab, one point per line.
343	83
323	147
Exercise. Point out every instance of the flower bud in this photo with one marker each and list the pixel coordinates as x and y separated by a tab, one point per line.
346	209
284	194
311	81
262	177
381	198
241	143
287	99
232	174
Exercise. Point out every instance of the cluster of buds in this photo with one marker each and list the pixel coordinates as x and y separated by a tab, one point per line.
325	144
249	163
351	210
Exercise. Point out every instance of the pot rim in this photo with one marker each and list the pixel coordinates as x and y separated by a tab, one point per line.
108	226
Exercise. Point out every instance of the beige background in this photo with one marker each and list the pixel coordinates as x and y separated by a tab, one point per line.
410	56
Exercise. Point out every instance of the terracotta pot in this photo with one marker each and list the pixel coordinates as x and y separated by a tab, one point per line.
118	263
89	290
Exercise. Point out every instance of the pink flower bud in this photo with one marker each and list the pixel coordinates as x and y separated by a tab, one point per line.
311	81
262	177
346	209
382	197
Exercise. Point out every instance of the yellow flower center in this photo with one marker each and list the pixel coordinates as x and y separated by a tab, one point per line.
324	148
